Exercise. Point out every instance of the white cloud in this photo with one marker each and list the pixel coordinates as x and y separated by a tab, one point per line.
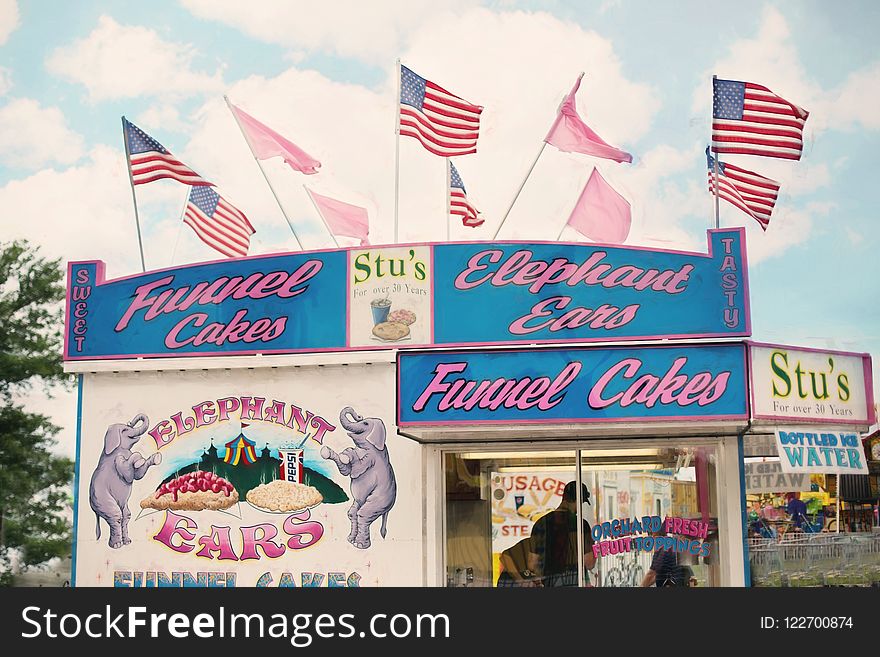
85	212
123	61
349	128
373	31
854	103
788	228
32	136
5	80
9	19
771	58
161	116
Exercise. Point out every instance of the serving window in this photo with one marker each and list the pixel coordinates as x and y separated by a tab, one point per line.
644	513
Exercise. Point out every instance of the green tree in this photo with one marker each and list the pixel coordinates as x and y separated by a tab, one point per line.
34	481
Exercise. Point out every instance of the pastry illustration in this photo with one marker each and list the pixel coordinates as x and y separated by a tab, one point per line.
281	496
402	316
193	491
391	331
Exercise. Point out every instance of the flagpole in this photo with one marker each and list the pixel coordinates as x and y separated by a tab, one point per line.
180	222
318	210
263	171
717	204
397	153
448	199
137	221
523	184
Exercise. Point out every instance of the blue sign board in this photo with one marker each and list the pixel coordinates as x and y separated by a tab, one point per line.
557	292
275	304
572	385
472	293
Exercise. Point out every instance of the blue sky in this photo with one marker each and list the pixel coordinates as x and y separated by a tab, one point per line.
323	75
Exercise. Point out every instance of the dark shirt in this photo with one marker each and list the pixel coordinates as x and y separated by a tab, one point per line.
797	509
554	540
669	571
665	565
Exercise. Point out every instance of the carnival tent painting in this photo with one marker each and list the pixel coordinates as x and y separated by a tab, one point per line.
240	463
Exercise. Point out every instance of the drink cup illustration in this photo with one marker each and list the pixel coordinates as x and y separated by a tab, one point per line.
380	308
291	468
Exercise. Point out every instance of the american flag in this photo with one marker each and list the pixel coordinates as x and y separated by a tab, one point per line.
150	161
443	123
217	222
750	119
458	202
753	194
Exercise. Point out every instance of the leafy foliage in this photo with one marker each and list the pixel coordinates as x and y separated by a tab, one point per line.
34	482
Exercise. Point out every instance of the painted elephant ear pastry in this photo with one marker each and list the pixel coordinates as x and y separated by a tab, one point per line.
391	331
193	491
281	496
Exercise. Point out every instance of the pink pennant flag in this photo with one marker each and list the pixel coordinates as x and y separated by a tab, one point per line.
266	143
570	134
343	218
601	214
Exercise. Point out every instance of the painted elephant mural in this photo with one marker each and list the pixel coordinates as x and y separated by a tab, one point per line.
111	482
373	486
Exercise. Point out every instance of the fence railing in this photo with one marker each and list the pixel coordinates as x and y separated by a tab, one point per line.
816	560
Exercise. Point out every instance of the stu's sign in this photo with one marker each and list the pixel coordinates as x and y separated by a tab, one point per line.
572	385
811	385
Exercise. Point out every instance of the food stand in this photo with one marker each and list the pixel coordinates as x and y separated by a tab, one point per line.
401	415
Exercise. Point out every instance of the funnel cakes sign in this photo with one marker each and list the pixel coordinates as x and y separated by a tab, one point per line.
411	295
572	385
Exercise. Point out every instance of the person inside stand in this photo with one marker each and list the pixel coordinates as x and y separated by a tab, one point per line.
665	568
554	540
518	566
797	509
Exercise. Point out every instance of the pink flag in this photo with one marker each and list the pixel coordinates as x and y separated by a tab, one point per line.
266	143
343	218
601	214
570	134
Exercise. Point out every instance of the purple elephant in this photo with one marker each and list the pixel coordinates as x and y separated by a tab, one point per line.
373	486
111	482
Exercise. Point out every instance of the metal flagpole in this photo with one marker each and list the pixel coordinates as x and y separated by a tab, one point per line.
137	221
715	181
180	227
263	171
318	210
516	196
397	153
448	198
579	498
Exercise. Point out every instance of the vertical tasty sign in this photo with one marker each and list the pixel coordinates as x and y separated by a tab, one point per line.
554	292
811	385
272	304
389	296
